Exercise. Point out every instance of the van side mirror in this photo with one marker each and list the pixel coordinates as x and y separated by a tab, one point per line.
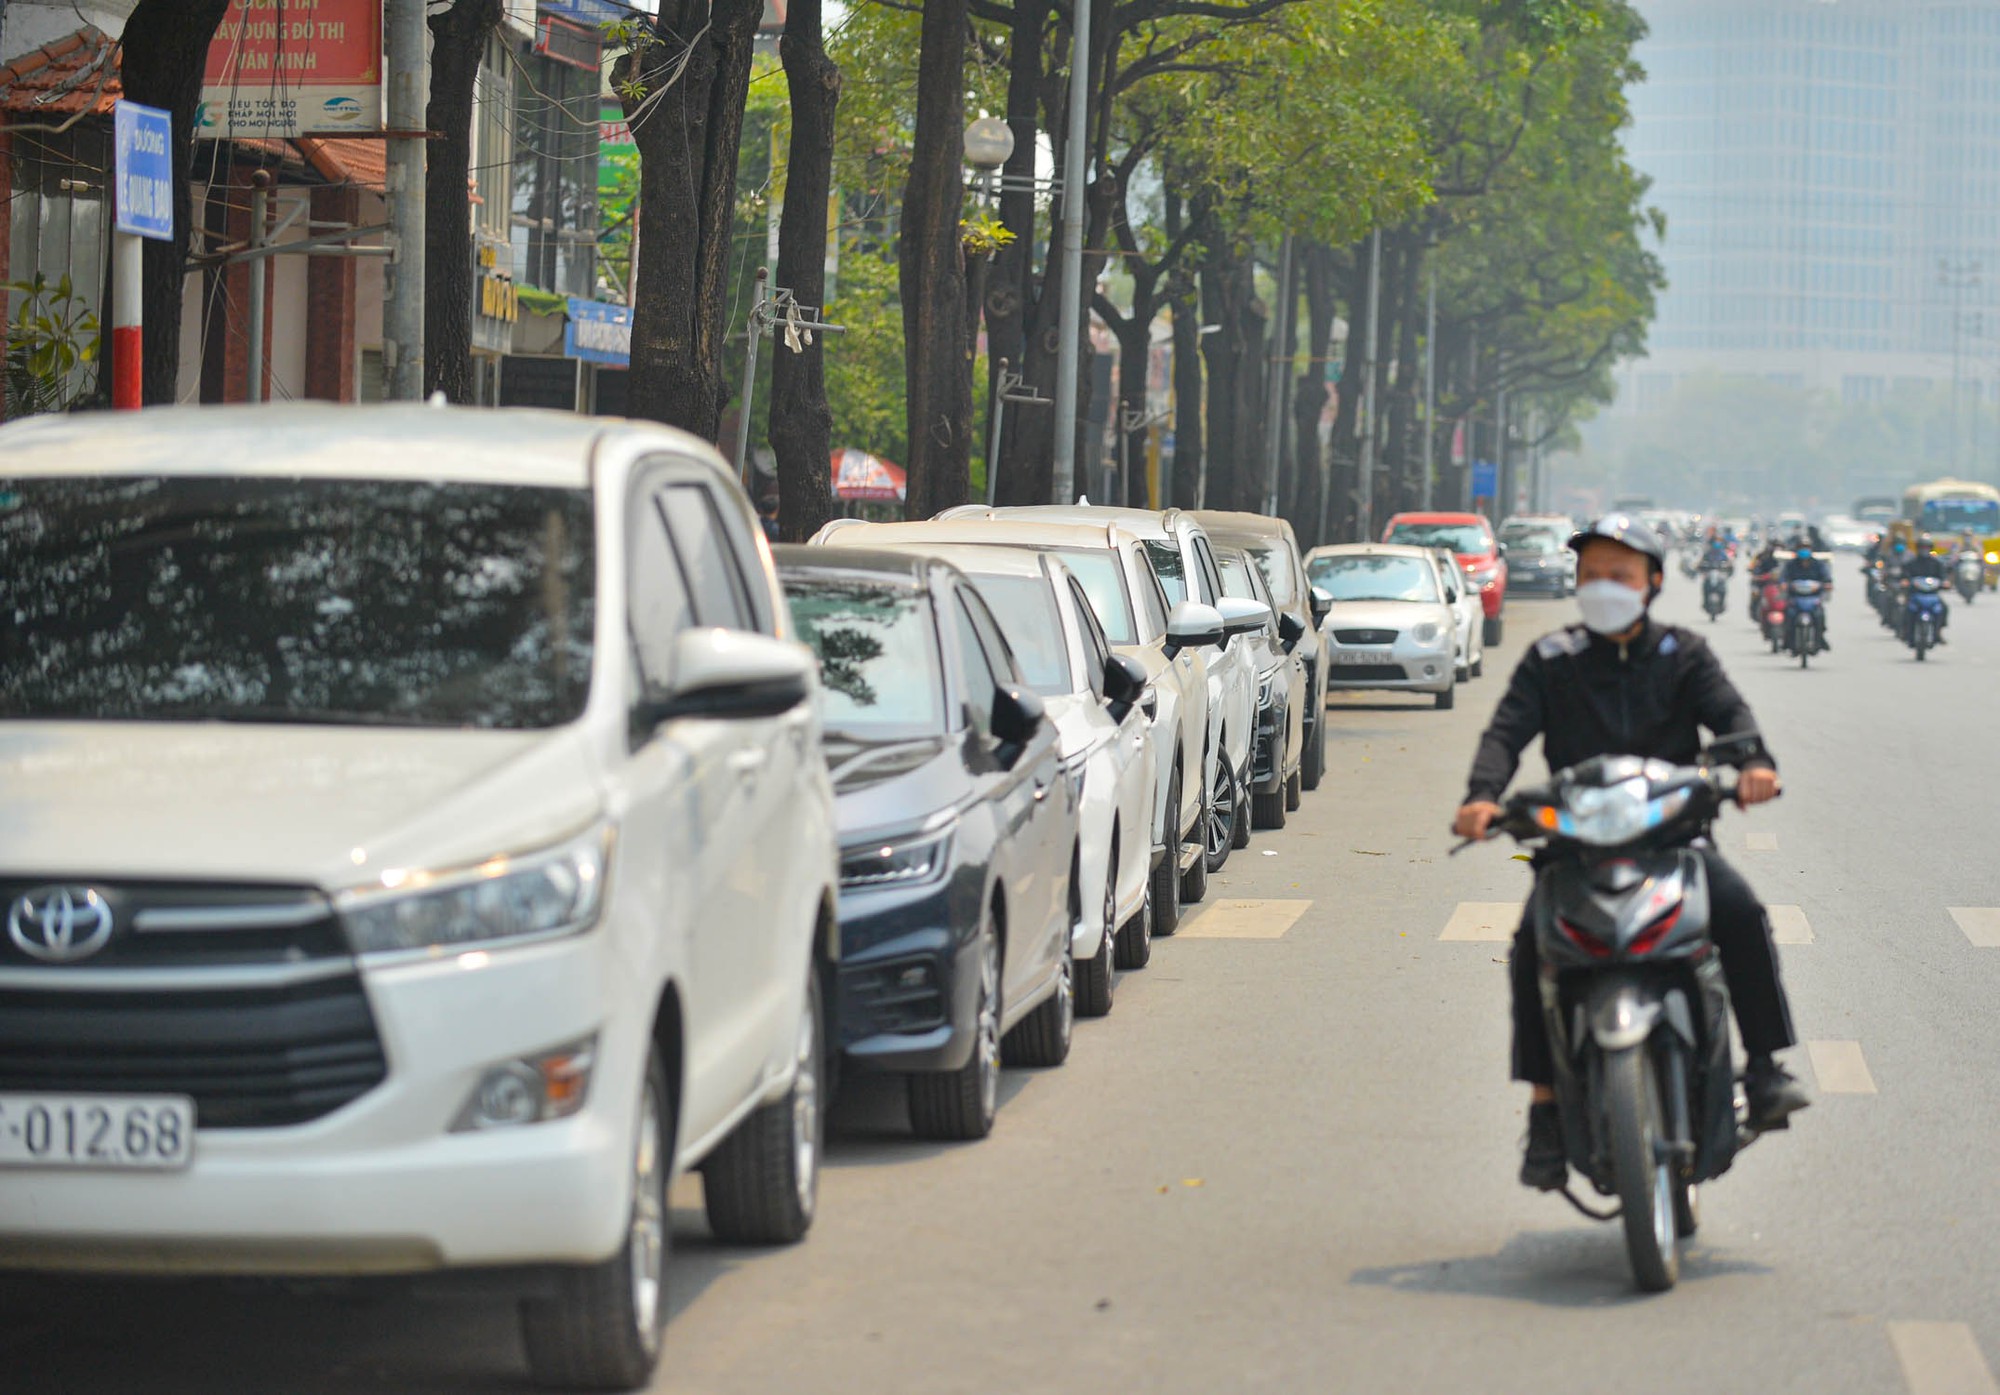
1124	685
729	674
1192	625
1243	617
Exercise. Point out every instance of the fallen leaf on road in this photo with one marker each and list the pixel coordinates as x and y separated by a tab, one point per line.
1191	1182
1164	1189
1366	852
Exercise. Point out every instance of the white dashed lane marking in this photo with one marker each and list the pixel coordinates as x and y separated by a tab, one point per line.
1761	842
1941	1358
1483	920
1981	924
1789	925
1840	1068
1243	920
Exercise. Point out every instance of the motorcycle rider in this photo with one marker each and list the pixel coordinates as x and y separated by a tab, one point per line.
1921	561
1807	566
1762	566
1623	683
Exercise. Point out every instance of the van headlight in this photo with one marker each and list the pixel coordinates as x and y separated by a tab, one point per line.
908	861
557	891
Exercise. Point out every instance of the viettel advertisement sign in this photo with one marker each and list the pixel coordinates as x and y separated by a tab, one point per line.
283	68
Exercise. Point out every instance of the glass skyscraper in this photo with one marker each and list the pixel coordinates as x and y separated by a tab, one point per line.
1830	171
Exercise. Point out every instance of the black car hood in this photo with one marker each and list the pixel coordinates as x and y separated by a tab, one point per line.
889	785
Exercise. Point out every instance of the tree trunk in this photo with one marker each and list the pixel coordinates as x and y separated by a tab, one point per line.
1233	351
1344	474
801	422
932	272
165	50
1190	433
458	42
1309	398
1405	449
689	131
1010	285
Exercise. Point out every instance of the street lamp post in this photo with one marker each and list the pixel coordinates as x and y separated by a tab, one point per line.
1070	319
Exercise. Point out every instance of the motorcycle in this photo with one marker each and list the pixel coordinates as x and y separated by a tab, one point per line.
1715	591
1631	988
1969	572
1771	607
1805	620
1925	614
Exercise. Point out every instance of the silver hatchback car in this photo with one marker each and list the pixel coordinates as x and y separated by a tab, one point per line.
1390	627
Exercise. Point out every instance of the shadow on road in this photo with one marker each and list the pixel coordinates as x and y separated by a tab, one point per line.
1574	1268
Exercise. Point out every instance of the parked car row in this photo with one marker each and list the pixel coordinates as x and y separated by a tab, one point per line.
432	831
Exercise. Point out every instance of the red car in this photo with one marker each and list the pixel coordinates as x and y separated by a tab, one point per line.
1471	539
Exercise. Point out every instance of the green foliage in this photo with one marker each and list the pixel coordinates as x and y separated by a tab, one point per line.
53	341
864	366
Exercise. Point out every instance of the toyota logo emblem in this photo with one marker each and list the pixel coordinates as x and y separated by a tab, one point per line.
59	924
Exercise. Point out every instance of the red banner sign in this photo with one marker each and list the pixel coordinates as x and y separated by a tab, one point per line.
282	68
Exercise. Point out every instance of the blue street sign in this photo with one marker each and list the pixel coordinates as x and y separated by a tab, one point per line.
142	171
598	332
1485	480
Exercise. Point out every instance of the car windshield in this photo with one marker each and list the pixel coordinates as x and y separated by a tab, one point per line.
1275	563
1099	573
1165	555
1359	577
878	654
287	600
1025	606
1528	542
1462	538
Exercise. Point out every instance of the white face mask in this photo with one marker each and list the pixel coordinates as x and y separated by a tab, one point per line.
1610	607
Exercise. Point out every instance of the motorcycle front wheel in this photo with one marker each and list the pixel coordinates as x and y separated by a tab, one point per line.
1646	1185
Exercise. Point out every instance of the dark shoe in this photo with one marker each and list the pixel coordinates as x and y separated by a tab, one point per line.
1545	1167
1773	1094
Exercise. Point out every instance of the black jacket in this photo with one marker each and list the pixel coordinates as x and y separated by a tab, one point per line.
1799	569
1586	696
1923	564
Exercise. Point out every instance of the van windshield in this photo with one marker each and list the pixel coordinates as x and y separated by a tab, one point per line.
294	600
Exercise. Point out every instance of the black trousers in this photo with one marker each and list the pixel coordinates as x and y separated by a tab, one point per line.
1742	934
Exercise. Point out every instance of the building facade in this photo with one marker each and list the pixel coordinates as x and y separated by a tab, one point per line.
1830	172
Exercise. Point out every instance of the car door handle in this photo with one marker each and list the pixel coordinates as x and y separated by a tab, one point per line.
747	762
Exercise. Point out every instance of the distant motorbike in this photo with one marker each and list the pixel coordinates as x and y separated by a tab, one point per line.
1805	620
1771	612
1715	591
1637	1010
1969	572
1924	615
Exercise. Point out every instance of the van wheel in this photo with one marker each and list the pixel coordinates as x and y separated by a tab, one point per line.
1043	1038
1225	808
602	1328
1093	976
1135	936
958	1106
1164	890
762	1185
1313	769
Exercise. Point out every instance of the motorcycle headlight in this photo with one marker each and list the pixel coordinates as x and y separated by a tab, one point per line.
1607	817
898	862
558	891
1993	559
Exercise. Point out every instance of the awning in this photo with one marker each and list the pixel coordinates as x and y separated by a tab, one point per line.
860	476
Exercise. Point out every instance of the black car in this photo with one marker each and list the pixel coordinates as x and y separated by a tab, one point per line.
956	829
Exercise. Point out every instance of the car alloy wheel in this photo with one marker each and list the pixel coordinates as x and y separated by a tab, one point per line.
649	1224
986	1048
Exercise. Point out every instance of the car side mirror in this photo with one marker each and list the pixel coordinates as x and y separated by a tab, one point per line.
1124	685
1291	630
1243	617
1192	625
1016	718
729	674
1322	606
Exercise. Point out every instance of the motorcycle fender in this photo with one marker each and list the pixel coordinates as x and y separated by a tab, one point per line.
1680	1016
1621	1016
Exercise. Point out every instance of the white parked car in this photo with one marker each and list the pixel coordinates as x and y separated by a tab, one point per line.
1183	558
1101	706
390	795
1173	645
1463	598
1390	627
1281	697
